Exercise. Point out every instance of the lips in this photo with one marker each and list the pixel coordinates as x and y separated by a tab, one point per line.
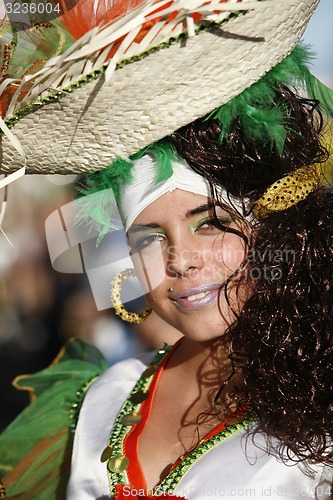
193	299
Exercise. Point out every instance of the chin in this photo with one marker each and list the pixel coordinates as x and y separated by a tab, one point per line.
203	331
204	339
204	325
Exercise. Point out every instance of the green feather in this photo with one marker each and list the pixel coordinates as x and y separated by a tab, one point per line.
165	153
261	118
97	207
265	123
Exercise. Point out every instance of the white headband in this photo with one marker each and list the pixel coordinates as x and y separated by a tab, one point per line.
143	190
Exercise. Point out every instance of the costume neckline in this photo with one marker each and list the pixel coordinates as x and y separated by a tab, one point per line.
123	465
135	473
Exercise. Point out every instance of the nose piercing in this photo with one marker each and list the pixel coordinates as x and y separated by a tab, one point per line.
170	289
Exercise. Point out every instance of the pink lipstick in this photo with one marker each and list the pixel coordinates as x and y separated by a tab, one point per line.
196	298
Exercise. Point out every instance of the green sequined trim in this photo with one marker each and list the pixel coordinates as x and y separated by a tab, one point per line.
120	430
173	478
56	96
76	407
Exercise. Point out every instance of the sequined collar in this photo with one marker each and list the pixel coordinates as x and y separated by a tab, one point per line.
119	456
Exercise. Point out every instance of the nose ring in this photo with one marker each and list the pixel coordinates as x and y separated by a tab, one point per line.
170	289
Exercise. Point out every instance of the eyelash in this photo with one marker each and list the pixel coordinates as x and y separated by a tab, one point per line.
142	243
217	223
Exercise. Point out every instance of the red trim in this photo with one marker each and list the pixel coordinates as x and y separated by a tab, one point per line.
212	433
134	471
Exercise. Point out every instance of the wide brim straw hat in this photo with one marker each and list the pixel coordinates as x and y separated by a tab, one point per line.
119	76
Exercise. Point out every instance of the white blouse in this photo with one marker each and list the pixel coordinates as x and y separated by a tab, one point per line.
235	468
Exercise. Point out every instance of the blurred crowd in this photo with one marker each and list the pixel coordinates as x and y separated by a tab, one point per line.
41	308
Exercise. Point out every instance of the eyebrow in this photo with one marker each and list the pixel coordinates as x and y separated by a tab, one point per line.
198	210
202	208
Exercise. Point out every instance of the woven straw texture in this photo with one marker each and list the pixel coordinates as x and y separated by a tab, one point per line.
149	99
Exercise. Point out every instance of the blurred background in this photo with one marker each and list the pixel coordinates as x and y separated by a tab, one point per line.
41	308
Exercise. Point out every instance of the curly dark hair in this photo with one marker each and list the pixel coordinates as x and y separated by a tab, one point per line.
283	337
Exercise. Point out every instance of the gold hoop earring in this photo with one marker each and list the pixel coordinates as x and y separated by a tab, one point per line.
119	308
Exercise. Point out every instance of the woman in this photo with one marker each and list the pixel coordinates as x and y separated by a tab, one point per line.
231	236
245	279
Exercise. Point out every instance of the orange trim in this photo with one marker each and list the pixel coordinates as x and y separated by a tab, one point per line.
212	433
134	471
30	389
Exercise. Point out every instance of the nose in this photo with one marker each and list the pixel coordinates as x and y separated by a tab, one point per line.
183	259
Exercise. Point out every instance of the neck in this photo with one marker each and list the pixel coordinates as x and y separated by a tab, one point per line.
200	369
190	355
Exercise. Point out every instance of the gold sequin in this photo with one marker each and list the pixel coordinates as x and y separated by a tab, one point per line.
118	463
138	397
131	418
107	452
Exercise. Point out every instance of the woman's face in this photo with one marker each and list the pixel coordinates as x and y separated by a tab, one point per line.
176	244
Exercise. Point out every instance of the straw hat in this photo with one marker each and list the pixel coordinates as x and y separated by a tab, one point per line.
138	77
